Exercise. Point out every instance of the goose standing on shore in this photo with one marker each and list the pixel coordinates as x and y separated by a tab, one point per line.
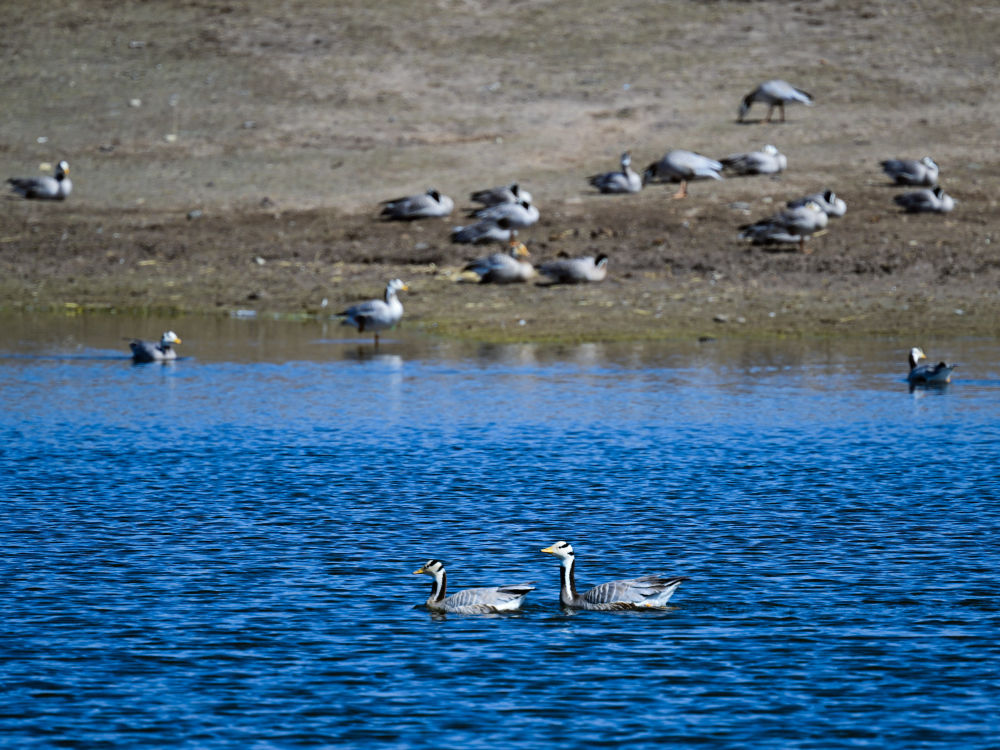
376	314
929	200
938	374
626	180
775	93
635	593
832	206
682	166
479	601
503	268
429	205
766	161
147	351
791	225
55	188
512	193
923	172
576	270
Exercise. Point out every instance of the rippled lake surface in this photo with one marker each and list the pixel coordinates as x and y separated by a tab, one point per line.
218	552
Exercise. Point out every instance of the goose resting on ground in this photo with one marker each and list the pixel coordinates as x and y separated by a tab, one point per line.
480	601
766	161
503	268
791	225
376	314
517	215
832	206
576	270
682	166
636	593
44	188
483	232
505	194
774	93
626	180
911	171
147	351
427	205
929	200
938	374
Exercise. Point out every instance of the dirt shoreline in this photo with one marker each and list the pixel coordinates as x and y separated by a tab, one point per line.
235	159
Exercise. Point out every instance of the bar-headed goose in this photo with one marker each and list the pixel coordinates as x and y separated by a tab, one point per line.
376	314
636	593
625	180
791	225
512	193
832	206
576	270
912	171
929	200
938	374
483	232
775	93
766	161
54	188
480	601
504	268
147	351
429	205
682	166
517	215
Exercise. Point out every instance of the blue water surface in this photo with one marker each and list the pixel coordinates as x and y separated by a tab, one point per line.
217	553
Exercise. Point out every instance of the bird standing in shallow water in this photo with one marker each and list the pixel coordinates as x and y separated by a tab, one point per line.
636	593
774	93
938	374
377	314
479	601
147	351
54	188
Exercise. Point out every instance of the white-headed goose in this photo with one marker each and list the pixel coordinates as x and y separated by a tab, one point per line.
912	171
625	180
791	225
682	166
504	268
512	193
429	205
480	601
928	201
147	351
576	270
775	93
636	593
54	188
832	206
938	374
376	314
766	161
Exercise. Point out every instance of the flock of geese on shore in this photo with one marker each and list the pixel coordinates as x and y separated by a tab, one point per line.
506	209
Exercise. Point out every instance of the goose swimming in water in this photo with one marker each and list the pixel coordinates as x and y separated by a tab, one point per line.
54	188
791	225
766	161
682	166
636	593
626	180
376	314
832	206
929	200
504	268
147	351
576	270
480	601
938	374
429	205
912	171
512	193
775	93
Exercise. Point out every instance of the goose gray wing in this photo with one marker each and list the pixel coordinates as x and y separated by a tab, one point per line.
481	601
368	315
647	591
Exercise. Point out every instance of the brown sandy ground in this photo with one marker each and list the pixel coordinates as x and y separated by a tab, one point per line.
284	127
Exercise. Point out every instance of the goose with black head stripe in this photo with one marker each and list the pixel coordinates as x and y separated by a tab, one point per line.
162	351
480	601
647	592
